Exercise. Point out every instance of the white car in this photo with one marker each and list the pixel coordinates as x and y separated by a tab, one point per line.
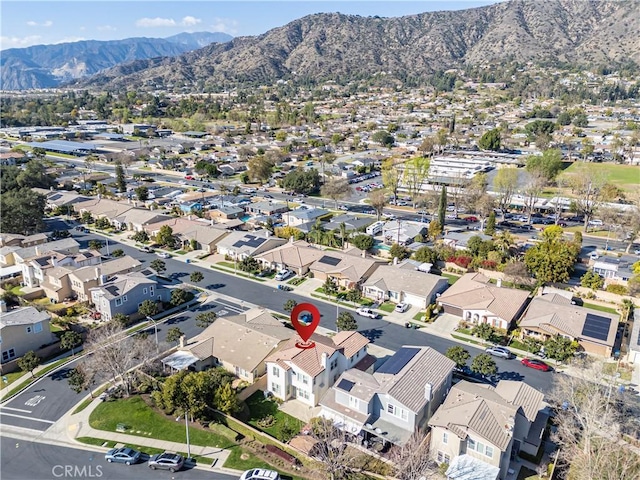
366	312
636	252
594	256
402	307
283	275
164	255
260	474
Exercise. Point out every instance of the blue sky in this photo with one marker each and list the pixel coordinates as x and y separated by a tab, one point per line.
25	22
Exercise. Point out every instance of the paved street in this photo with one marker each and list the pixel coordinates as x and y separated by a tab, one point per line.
25	460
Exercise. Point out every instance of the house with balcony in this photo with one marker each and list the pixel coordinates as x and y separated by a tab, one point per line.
475	299
552	314
307	374
395	401
22	330
390	282
482	428
224	344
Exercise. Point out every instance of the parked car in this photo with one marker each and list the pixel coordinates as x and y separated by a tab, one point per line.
163	255
471	218
146	250
537	364
283	275
260	474
402	307
594	256
125	455
366	312
166	461
499	352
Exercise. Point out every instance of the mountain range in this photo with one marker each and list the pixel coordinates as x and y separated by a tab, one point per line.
46	66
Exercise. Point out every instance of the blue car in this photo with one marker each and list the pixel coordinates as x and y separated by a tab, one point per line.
125	455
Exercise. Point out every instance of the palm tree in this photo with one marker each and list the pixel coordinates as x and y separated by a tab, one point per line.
343	233
503	242
317	233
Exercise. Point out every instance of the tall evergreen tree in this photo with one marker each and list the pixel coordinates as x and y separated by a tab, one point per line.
121	183
442	206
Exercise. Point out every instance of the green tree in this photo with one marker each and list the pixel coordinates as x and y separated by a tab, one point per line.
121	183
226	399
260	168
158	265
378	200
548	165
117	253
70	340
426	255
329	287
539	127
490	140
442	206
354	295
483	331
142	193
121	319
248	264
416	171
165	237
384	138
289	305
178	297
592	280
27	211
363	241
552	259
204	319
96	244
484	364
141	236
196	277
148	308
490	227
564	118
398	251
302	181
79	380
559	348
288	232
505	184
458	355
346	322
435	229
28	362
174	334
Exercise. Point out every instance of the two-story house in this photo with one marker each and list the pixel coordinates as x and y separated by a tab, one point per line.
125	293
484	427
395	401
306	374
81	280
22	330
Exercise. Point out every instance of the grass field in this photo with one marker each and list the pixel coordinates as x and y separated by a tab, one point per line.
626	177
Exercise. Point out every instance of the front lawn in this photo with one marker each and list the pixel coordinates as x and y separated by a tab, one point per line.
451	278
281	425
387	307
601	308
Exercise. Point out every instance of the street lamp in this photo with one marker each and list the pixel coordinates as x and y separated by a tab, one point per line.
155	326
186	425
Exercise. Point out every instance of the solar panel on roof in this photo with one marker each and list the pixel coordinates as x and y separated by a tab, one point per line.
327	260
398	361
345	385
596	326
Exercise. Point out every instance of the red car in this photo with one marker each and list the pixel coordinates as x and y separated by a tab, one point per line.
471	218
534	363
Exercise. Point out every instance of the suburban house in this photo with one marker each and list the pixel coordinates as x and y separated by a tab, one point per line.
484	427
82	280
226	212
137	219
348	269
36	269
460	239
267	208
389	282
125	293
224	343
475	299
395	401
554	314
351	223
303	215
614	270
33	260
240	245
22	330
634	343
295	255
102	207
186	231
12	255
402	232
306	374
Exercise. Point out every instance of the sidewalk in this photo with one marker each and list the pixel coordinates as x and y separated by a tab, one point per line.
72	426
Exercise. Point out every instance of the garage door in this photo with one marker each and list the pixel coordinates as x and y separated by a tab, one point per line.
415	300
452	310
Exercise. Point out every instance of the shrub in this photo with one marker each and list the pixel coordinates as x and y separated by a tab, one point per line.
489	264
266	422
617	289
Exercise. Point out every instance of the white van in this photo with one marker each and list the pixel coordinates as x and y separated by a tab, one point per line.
375	228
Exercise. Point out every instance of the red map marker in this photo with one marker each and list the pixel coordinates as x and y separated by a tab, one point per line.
305	318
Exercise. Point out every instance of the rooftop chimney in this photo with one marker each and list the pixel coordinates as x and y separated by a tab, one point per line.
499	282
427	392
325	360
182	341
291	239
3	306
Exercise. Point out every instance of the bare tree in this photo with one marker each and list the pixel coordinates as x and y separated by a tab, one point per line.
586	184
590	425
117	354
336	188
338	458
532	191
391	178
414	460
416	171
378	200
505	183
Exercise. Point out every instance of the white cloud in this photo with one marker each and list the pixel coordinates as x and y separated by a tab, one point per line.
190	21
69	40
46	23
155	22
19	42
106	28
226	25
187	21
